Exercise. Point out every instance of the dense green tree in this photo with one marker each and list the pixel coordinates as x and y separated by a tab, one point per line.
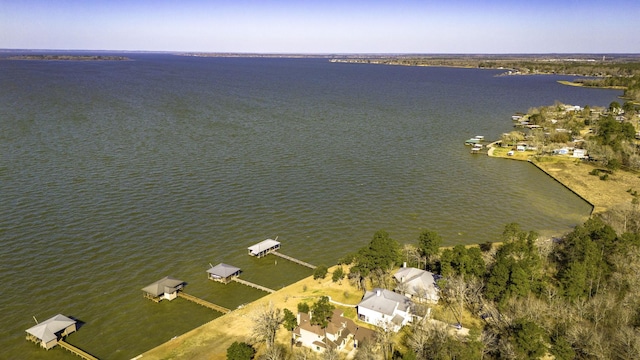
574	280
240	351
518	268
338	274
585	258
382	253
303	307
498	279
463	261
529	339
322	310
320	272
289	319
561	349
429	243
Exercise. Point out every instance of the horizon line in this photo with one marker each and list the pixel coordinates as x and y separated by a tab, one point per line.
275	53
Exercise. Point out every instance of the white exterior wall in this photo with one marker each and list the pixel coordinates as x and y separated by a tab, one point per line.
307	338
171	296
371	316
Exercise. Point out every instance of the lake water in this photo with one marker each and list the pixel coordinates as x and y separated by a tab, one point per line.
115	174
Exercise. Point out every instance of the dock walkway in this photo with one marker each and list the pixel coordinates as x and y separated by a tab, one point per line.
255	286
83	354
204	303
300	262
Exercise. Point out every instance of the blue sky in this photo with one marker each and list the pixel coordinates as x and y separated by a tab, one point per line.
287	26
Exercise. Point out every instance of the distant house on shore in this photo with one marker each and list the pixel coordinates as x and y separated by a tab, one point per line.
165	288
580	153
386	309
417	284
48	332
336	335
223	273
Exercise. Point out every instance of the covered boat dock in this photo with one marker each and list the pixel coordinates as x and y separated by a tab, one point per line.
165	288
264	248
223	273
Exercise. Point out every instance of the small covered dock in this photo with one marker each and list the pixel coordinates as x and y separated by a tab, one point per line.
264	248
165	288
223	273
49	332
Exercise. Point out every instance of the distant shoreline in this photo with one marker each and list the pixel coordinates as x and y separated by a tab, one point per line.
67	58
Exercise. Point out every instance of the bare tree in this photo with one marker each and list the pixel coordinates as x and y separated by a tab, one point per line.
384	338
627	344
367	351
275	352
418	339
266	321
304	353
330	353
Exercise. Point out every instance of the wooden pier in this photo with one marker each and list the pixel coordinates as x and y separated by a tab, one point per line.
83	354
300	262
204	303
255	286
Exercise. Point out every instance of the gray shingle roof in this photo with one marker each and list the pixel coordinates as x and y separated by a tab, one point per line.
384	301
223	270
46	330
165	285
416	279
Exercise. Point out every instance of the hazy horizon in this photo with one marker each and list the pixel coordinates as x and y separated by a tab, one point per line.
323	27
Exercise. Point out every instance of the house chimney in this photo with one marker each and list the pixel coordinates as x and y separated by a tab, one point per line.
378	292
404	264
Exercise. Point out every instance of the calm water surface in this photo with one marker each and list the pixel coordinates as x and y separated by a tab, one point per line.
115	174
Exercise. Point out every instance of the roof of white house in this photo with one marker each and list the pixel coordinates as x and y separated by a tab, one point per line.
263	245
223	270
46	330
384	301
166	285
416	279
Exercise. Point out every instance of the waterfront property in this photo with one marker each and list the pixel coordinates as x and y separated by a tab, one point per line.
417	284
336	335
49	332
223	273
264	248
386	309
165	288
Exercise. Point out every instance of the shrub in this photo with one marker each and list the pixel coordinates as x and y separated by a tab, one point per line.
240	351
320	272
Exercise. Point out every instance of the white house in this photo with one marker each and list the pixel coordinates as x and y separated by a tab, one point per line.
417	283
580	153
385	308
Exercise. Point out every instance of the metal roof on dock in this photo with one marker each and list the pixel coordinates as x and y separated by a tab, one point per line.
223	270
262	246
